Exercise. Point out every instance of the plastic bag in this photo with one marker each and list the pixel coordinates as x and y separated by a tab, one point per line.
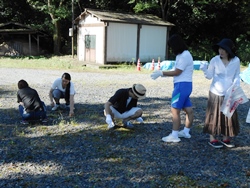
233	98
248	116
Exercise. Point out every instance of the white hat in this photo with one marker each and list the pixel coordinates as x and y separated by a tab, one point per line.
139	91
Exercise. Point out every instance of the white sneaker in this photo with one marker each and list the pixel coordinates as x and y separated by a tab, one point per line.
111	125
139	119
55	107
182	134
170	138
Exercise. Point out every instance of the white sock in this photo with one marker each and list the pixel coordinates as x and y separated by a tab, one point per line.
175	133
186	130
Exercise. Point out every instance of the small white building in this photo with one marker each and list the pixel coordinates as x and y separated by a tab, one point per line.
109	37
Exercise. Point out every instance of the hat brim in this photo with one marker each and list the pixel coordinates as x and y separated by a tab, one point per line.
228	50
137	95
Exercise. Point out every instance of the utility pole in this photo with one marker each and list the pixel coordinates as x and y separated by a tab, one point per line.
72	37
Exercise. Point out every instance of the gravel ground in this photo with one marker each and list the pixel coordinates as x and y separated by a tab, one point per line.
81	152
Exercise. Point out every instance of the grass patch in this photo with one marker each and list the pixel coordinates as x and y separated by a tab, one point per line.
65	63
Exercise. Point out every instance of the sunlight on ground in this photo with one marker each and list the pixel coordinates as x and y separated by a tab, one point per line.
38	131
29	168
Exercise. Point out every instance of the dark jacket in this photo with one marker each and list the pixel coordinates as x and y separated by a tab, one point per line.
30	99
119	100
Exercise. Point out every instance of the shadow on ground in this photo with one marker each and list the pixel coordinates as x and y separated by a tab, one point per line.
81	152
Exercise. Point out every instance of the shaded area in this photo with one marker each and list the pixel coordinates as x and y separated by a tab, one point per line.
81	152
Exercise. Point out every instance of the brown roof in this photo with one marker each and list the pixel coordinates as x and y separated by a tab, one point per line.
17	28
108	16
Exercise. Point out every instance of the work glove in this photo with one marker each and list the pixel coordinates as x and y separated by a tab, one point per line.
109	121
156	74
203	67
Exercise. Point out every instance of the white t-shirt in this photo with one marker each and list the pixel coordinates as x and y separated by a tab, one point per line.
223	76
184	62
58	85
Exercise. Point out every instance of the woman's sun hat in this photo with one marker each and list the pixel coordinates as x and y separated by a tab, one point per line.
139	91
226	44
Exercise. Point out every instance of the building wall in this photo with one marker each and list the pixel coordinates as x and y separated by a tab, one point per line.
121	42
94	28
153	41
19	47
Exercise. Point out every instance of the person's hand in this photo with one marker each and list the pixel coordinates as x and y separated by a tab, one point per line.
203	67
108	119
156	74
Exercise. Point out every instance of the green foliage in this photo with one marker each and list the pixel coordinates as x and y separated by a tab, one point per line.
144	6
58	9
202	23
243	49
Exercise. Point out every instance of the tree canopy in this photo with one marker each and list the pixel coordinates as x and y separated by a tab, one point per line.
202	23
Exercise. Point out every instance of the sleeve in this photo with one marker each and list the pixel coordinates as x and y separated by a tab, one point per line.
55	83
37	95
115	97
72	89
237	73
209	73
181	63
18	98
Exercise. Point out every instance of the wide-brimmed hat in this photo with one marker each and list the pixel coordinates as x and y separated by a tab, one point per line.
139	91
226	44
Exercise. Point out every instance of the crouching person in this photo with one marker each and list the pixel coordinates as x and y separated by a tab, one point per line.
123	105
31	108
63	88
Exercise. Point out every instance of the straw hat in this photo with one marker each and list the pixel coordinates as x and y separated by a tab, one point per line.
139	91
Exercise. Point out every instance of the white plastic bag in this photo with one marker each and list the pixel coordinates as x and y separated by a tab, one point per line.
233	98
248	116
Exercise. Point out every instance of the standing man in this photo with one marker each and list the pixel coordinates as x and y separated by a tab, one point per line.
123	105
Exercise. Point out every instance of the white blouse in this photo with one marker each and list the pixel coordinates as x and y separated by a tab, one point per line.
223	76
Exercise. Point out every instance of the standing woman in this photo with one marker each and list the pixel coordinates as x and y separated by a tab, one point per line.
183	79
63	88
224	69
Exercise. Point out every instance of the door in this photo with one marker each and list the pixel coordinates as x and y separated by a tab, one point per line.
90	48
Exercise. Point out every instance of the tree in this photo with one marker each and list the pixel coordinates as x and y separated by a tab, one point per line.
13	11
57	10
204	23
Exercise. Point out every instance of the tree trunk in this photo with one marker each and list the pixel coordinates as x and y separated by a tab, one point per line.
57	37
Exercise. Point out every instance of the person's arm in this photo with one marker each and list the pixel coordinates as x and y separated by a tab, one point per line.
51	97
210	70
71	106
19	100
237	78
109	115
175	72
107	108
161	73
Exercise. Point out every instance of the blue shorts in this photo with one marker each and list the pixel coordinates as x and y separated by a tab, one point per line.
180	95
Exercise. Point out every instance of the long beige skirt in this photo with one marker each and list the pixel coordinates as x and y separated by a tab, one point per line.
216	123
